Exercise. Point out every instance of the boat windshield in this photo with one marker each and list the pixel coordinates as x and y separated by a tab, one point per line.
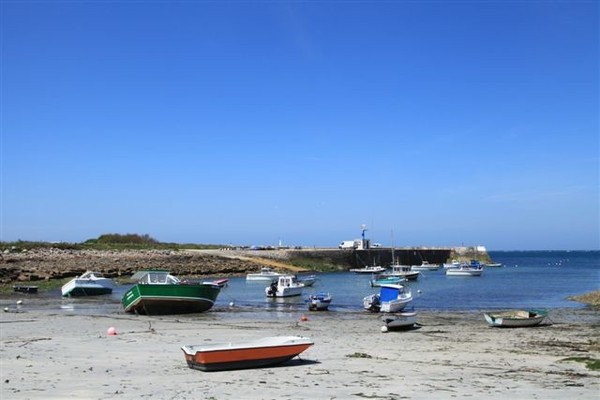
158	277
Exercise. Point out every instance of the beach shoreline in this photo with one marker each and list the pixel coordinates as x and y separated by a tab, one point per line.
448	355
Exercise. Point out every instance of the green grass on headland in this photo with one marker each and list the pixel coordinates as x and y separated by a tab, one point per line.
110	241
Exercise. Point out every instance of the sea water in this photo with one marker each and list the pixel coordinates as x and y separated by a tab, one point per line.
527	279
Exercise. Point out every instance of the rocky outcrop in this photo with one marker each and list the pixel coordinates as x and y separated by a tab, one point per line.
45	264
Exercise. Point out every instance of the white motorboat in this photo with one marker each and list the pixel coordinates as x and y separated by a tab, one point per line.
308	280
453	264
425	266
375	269
391	299
403	271
473	269
402	320
265	274
284	286
90	283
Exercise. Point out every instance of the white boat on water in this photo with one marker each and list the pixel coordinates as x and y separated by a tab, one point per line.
425	266
493	265
284	286
265	274
390	299
375	269
307	280
402	320
453	264
473	269
90	283
403	271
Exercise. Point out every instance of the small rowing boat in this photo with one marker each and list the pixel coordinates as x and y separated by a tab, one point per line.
255	353
516	318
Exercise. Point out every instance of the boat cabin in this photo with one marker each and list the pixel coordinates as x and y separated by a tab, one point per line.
390	292
154	278
287	281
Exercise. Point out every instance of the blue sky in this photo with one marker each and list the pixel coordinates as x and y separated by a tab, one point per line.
250	122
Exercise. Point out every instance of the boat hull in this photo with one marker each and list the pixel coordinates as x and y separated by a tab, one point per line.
25	289
163	299
252	354
263	278
391	299
85	287
514	319
392	280
400	321
318	305
463	272
88	290
368	270
319	302
285	292
395	305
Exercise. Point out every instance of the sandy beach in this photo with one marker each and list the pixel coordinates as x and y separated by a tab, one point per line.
449	355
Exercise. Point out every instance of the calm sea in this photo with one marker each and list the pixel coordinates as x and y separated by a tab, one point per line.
528	279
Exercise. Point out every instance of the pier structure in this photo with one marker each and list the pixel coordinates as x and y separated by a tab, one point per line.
385	256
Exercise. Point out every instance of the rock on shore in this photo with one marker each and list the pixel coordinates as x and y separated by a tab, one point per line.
45	264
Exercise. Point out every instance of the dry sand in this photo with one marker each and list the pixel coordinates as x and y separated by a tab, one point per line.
449	356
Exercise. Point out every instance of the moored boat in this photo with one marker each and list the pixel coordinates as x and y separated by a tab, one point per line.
493	265
256	353
453	264
265	274
375	269
515	318
425	266
390	299
25	289
473	269
307	280
319	301
403	271
284	286
90	283
157	292
402	320
379	280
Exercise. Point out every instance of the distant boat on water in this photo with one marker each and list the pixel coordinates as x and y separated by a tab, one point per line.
265	274
375	269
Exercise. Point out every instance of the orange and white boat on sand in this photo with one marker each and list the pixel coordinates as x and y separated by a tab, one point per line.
256	353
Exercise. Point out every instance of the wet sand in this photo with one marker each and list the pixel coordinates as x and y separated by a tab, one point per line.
449	355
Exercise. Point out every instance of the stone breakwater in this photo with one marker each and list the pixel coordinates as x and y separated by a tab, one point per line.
46	264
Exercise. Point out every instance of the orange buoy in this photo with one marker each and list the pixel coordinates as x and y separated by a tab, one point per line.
303	318
111	331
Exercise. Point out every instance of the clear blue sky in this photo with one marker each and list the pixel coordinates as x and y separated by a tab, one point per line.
250	122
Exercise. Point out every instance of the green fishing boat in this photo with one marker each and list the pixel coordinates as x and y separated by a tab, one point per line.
157	292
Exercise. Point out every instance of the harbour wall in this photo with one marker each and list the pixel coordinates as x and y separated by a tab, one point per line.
355	258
